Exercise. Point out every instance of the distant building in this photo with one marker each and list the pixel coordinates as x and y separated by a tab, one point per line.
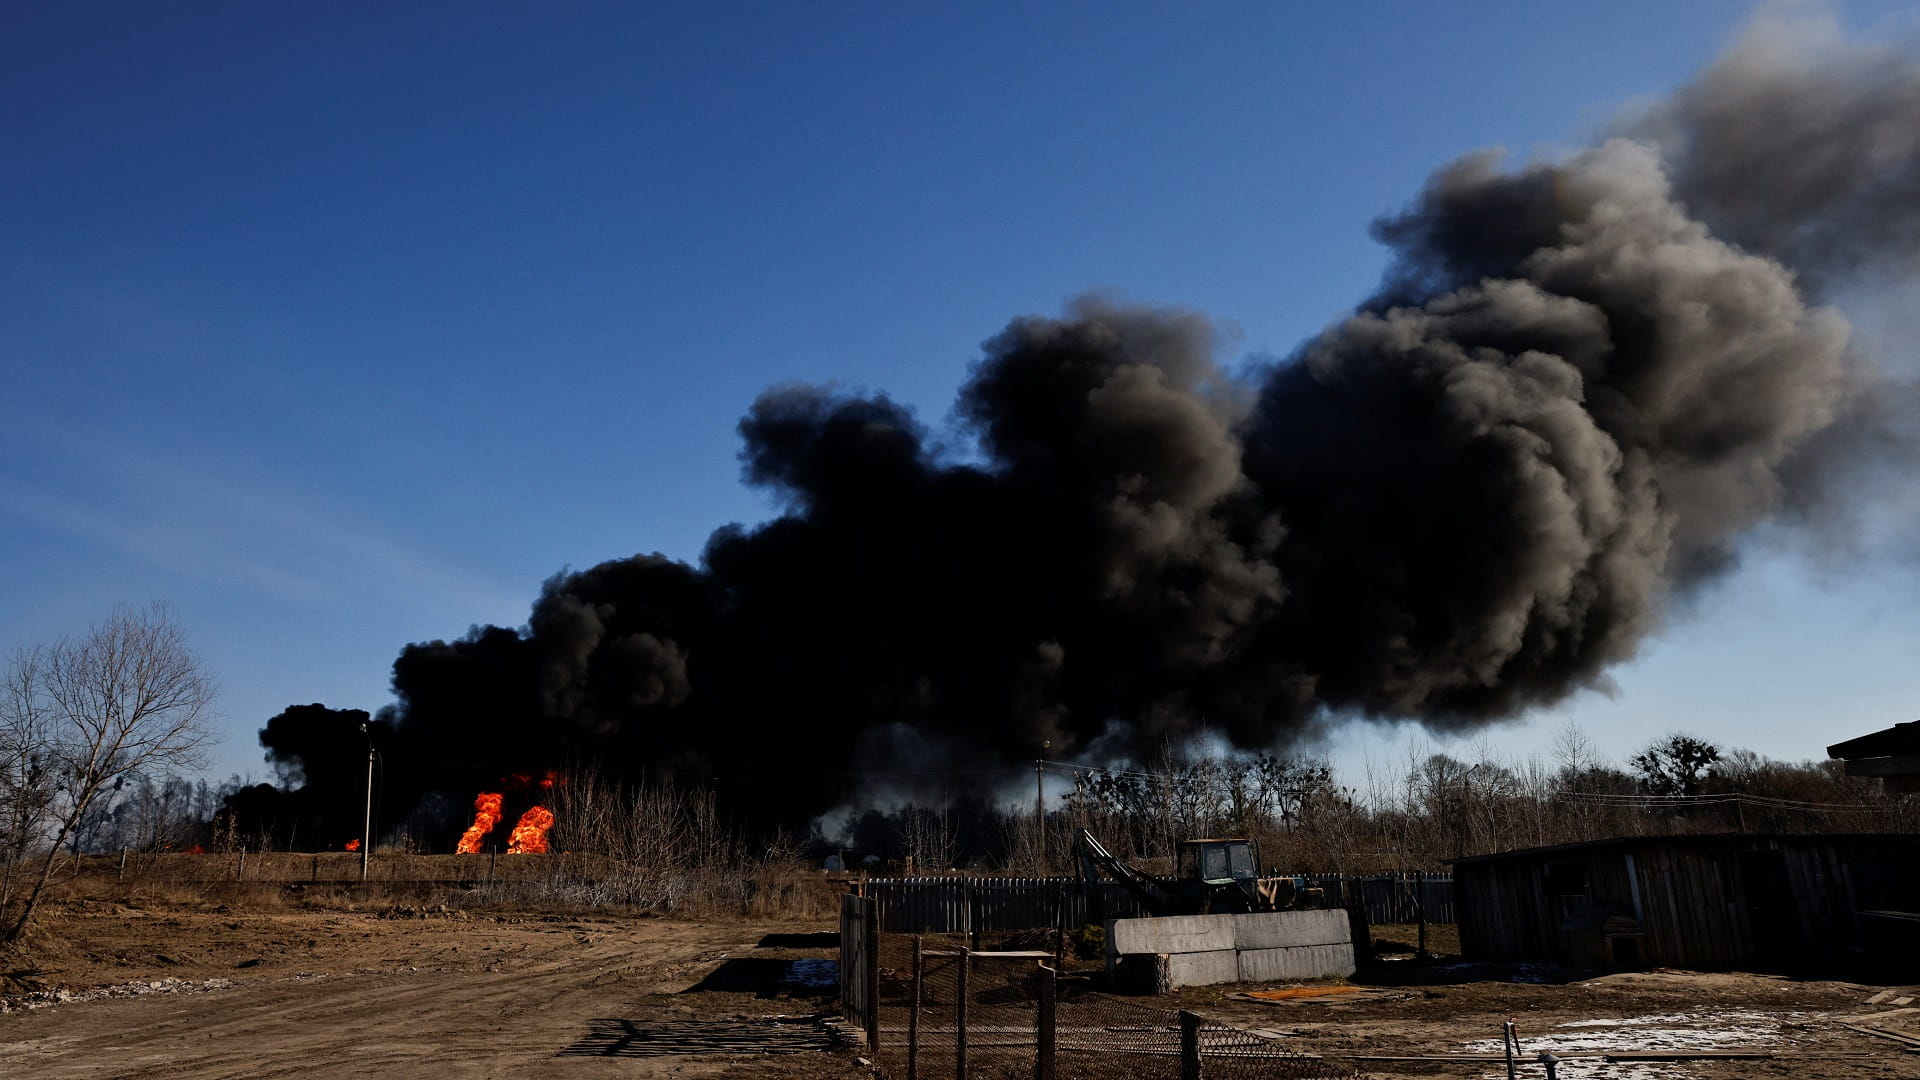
1749	903
1892	754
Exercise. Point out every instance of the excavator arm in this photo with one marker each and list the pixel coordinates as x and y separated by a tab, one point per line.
1095	860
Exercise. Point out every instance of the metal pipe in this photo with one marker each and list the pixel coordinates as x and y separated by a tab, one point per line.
1190	1067
960	1016
913	1018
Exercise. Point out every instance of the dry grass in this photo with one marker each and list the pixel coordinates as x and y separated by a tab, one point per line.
1391	939
558	882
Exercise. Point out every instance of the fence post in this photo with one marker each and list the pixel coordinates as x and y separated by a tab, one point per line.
1420	907
1189	1045
1043	1036
1359	928
871	916
972	899
960	1018
123	865
240	871
913	1018
1059	923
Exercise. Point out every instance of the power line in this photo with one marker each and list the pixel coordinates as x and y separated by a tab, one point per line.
1719	799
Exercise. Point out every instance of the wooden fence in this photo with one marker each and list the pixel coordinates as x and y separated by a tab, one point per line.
1394	898
971	905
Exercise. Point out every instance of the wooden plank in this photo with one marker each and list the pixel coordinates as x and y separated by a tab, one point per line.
1863	1029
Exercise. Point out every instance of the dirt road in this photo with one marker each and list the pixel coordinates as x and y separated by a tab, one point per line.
202	992
417	994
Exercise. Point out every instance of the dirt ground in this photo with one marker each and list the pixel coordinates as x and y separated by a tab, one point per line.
114	990
1769	1027
423	993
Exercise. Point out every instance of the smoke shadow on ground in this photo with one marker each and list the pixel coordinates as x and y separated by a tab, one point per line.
764	977
615	1037
1412	972
825	939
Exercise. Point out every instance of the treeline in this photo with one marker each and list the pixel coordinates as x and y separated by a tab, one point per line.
1414	814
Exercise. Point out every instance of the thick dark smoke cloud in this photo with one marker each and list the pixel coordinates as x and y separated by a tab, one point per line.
1580	385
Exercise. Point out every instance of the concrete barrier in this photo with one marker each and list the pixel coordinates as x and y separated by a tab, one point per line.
1297	962
1155	955
1173	934
1286	929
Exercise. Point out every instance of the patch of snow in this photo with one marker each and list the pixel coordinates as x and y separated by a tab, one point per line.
41	999
1707	1029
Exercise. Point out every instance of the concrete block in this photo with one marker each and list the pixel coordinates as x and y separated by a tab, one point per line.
1286	929
1174	934
1202	968
1297	962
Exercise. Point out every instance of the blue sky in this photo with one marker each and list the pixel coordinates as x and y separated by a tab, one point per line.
343	325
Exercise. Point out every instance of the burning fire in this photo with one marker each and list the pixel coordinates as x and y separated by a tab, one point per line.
353	845
486	814
530	835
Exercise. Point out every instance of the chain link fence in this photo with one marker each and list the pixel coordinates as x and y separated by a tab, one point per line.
947	1011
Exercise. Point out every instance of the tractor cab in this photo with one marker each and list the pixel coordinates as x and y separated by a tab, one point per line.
1217	862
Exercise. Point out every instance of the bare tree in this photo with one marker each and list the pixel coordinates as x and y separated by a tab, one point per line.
26	775
927	834
125	698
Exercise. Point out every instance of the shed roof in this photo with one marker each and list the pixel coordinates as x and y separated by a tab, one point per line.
1887	742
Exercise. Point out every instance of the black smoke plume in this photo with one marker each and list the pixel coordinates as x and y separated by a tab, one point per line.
1570	398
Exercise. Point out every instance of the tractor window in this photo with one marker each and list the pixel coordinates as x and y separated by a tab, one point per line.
1213	862
1241	858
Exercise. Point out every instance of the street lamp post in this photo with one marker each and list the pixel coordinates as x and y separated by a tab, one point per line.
366	825
1040	804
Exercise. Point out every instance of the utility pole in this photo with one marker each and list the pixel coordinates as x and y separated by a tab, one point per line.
366	826
1040	803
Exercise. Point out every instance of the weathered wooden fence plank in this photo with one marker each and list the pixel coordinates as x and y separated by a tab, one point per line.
859	955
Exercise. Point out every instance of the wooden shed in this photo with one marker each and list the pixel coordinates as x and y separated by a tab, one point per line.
1892	754
1752	903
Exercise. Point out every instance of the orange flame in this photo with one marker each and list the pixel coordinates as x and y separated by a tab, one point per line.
486	814
353	845
530	836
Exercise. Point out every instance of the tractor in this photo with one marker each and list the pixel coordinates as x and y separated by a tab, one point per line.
1213	876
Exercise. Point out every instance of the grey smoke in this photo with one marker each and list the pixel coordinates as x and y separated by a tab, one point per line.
1803	144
